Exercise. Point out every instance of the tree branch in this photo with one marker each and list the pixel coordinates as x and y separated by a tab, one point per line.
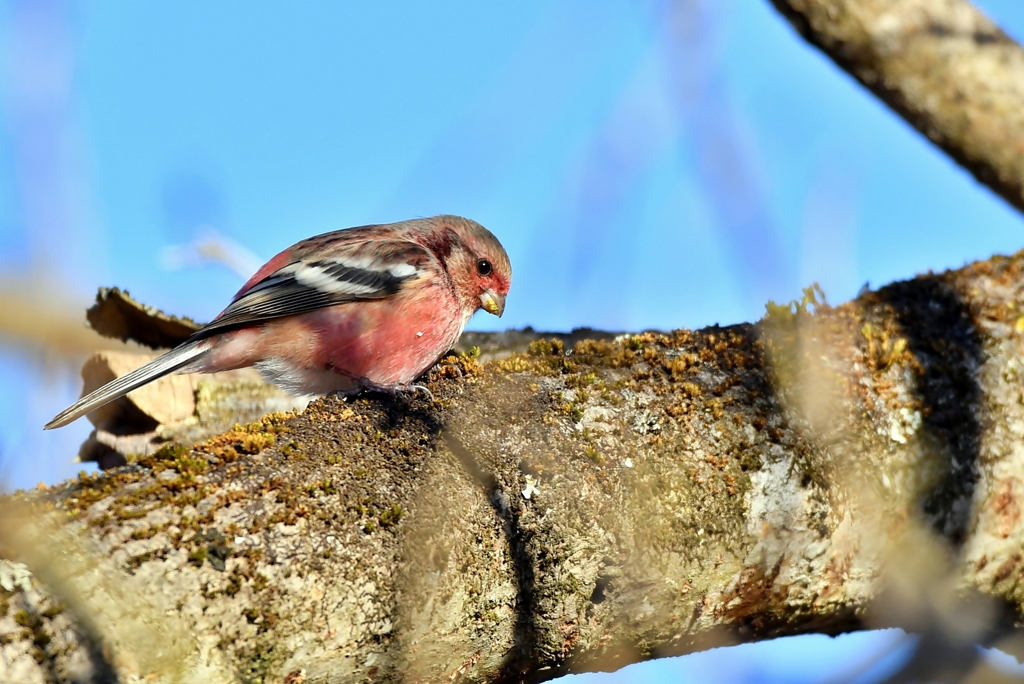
942	65
561	511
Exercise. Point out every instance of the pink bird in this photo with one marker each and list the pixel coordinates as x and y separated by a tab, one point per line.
372	307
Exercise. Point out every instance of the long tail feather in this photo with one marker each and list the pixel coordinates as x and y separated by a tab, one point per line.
174	360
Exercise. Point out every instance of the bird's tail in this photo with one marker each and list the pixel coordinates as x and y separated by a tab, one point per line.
174	360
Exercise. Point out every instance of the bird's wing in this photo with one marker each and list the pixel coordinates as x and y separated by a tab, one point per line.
372	269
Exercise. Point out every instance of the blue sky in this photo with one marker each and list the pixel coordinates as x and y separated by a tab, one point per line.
647	164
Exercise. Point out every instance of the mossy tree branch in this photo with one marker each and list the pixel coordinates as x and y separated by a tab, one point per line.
564	509
940	64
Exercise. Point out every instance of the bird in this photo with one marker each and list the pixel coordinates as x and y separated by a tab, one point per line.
365	308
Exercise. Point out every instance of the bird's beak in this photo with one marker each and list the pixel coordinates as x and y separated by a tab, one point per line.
492	303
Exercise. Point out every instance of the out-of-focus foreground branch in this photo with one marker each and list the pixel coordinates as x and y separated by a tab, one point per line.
942	65
561	510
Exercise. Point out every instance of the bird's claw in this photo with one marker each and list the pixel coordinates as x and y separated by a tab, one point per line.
424	389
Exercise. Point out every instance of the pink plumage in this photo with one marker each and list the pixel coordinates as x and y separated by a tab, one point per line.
363	308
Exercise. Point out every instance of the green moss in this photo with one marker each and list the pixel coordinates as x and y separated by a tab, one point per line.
634	342
391	516
234	584
257	662
26	619
573	409
135	561
471	353
325	487
148	532
812	301
170	452
190	497
546	348
134	499
190	466
198	556
883	347
582	380
40	639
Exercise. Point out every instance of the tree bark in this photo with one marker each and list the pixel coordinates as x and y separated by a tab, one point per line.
942	65
561	510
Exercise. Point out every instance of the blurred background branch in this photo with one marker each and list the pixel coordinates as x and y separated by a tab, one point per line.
36	316
944	66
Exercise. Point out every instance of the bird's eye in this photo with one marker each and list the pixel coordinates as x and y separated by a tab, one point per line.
483	267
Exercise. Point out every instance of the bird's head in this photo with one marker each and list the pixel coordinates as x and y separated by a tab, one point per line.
478	265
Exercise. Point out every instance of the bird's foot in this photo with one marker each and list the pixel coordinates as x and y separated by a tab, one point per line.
405	391
402	391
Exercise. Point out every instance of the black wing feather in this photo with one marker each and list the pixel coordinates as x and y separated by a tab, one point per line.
282	294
